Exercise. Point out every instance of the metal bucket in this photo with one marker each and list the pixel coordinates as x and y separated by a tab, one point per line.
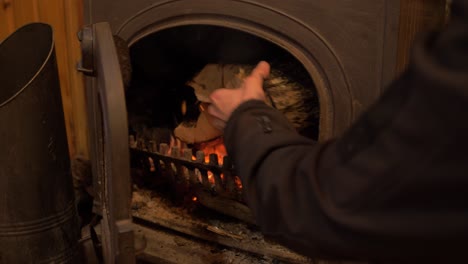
38	221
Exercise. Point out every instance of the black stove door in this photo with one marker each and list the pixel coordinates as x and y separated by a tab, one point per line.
107	115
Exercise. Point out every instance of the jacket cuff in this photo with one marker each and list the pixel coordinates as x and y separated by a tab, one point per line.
251	120
256	108
245	106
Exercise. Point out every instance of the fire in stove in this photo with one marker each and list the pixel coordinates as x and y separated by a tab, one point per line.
207	174
179	161
170	135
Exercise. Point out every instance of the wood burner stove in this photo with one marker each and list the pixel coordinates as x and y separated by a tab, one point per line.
347	47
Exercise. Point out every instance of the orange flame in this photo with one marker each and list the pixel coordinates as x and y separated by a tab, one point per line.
214	147
238	182
211	178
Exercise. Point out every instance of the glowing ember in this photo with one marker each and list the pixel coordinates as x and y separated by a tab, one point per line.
151	163
199	176
238	182
214	147
211	178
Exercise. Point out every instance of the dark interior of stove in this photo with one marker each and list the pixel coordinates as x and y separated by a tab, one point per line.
165	61
159	99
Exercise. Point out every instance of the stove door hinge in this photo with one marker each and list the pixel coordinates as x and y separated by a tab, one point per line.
86	38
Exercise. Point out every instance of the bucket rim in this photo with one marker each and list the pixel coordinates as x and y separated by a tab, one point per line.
44	63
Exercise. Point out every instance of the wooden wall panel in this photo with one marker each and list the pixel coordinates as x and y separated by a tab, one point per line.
74	22
24	11
65	16
7	23
52	12
417	16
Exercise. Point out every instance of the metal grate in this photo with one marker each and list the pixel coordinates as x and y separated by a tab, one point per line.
181	165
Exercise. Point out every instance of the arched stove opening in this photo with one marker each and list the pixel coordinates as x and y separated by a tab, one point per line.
180	185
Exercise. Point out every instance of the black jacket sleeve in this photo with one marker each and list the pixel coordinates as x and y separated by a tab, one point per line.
393	187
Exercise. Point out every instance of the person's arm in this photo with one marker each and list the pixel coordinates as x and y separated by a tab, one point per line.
395	186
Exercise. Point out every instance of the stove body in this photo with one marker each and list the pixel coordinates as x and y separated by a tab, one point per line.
347	47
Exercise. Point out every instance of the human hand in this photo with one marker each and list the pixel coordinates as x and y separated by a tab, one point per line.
225	101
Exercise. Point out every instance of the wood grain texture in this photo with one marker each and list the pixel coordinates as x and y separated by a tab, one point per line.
417	16
7	22
65	16
74	22
25	11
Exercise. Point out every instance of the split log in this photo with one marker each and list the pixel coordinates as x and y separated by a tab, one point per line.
201	131
296	98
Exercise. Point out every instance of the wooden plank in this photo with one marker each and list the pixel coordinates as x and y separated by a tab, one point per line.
52	12
7	23
25	12
74	22
4	28
417	16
